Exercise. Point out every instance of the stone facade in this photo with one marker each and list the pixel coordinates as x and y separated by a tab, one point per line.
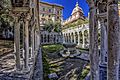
50	12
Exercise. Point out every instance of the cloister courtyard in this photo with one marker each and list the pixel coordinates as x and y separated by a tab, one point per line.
57	40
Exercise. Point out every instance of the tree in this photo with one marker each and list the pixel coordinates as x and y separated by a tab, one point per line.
5	6
5	18
51	26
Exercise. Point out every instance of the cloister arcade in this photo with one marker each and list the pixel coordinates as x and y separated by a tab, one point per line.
78	35
51	37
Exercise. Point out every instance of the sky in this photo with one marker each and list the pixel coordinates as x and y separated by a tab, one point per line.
69	6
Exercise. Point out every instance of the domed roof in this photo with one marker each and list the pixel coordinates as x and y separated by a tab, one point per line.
77	9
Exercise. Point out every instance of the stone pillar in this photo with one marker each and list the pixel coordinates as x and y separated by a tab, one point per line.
47	38
93	48
17	43
71	37
78	38
113	40
88	38
44	38
74	38
23	26
65	38
26	44
68	38
52	38
83	45
38	39
33	40
104	44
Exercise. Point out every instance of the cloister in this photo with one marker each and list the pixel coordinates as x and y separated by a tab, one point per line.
26	17
79	35
51	37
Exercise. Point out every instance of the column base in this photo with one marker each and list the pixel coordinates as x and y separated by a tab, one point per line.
26	70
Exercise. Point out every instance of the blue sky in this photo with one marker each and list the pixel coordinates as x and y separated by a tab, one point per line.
69	5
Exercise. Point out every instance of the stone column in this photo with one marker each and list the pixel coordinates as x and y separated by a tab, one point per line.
26	44
44	38
88	37
22	22
74	38
38	39
104	44
93	48
68	38
83	45
71	37
78	38
52	38
65	37
113	40
17	43
33	40
47	38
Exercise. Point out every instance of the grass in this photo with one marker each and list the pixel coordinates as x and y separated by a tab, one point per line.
85	71
52	48
47	67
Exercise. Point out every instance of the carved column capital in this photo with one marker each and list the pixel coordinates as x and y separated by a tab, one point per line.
26	16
